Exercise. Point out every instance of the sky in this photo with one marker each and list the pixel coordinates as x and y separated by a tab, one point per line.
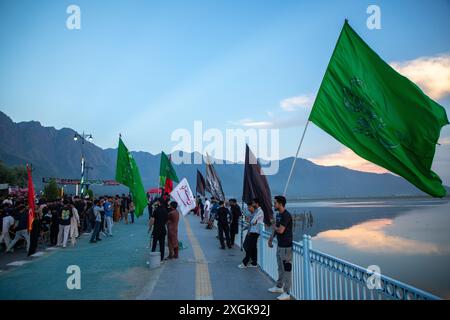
147	68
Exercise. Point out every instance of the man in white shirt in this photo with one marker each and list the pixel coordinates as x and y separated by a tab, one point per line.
207	210
251	240
8	201
8	222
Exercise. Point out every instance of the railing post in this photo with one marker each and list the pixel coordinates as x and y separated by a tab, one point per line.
261	245
308	277
311	272
306	268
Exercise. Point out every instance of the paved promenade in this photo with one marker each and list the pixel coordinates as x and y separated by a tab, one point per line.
116	268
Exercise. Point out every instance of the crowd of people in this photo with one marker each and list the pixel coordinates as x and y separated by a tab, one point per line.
227	215
62	220
66	219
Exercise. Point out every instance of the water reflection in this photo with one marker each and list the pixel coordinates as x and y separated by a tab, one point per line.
372	236
408	239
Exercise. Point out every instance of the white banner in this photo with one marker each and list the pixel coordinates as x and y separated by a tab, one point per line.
183	195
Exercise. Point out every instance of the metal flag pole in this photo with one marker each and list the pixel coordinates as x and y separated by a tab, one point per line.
295	159
242	225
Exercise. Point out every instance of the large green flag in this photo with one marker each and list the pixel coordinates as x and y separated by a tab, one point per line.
166	170
127	173
379	114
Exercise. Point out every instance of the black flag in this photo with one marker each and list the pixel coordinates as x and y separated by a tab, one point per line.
201	185
213	182
256	186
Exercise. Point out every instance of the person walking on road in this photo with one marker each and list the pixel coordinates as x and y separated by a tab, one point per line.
172	229
74	225
251	240
108	207
159	221
21	229
235	216
64	224
98	209
223	226
8	222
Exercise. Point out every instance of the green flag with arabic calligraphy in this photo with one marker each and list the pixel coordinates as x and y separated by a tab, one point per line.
379	114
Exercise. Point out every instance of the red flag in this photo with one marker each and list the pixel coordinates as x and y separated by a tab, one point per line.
168	187
31	202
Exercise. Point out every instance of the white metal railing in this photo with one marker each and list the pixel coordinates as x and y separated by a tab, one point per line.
319	276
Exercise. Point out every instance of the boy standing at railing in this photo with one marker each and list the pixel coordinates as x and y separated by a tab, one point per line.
282	229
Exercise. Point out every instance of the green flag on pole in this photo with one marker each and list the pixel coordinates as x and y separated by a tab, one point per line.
379	114
166	170
127	173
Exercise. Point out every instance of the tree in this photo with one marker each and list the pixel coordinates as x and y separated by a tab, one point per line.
51	191
15	176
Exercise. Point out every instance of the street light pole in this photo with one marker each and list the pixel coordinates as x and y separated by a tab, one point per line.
83	138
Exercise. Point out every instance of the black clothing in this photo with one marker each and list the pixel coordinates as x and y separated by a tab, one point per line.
224	229
161	216
161	238
251	249
284	239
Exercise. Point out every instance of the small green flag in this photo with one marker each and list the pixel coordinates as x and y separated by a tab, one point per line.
166	170
379	114
127	173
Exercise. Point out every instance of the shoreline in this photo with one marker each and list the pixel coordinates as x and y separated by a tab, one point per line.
343	199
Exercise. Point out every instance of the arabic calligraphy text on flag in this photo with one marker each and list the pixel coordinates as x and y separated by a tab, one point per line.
183	195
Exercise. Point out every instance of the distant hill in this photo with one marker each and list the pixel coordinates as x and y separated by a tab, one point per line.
53	153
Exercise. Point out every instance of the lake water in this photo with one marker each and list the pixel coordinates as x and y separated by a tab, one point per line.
408	239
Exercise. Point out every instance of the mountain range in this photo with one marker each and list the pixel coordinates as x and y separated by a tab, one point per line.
53	153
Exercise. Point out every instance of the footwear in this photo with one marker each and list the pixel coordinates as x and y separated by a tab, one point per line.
242	266
253	265
93	241
223	248
175	256
276	290
99	239
284	296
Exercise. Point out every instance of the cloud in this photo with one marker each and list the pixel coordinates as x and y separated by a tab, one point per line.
432	74
347	158
445	141
294	103
302	104
273	122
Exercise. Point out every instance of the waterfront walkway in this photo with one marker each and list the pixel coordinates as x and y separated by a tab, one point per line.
116	268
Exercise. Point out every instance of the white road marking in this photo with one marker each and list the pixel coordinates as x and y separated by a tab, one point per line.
18	263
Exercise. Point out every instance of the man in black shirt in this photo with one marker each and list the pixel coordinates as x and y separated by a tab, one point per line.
222	224
282	229
235	216
64	224
159	220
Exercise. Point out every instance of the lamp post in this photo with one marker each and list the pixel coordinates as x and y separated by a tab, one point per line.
87	168
83	137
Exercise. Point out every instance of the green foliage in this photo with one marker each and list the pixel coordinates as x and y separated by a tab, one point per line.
15	176
51	191
90	193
